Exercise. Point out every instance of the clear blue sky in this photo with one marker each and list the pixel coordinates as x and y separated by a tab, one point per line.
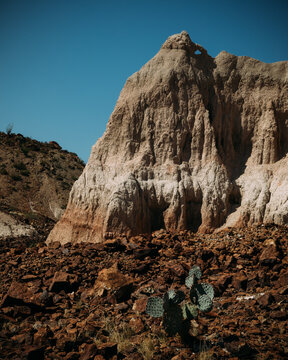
63	63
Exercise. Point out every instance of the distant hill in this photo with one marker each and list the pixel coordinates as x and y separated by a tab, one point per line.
35	180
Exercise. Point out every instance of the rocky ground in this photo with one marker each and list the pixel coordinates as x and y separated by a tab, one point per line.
87	301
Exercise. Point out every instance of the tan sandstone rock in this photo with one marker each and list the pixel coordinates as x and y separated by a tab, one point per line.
193	143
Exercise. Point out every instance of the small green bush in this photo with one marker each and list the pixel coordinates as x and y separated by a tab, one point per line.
35	147
16	177
9	129
20	166
65	185
3	171
31	216
25	172
24	150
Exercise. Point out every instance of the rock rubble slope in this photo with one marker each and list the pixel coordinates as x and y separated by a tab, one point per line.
194	142
87	301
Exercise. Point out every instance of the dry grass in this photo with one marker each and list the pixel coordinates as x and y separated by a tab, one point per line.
120	334
205	352
146	348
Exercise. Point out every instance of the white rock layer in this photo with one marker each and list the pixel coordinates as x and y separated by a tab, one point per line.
193	143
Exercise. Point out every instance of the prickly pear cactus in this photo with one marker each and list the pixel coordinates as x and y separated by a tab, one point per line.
204	303
205	289
176	318
189	311
196	272
155	307
190	281
173	320
173	297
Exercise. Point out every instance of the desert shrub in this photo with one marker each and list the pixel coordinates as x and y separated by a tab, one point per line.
24	150
65	185
20	166
118	333
3	170
9	129
36	147
146	348
30	216
16	177
25	172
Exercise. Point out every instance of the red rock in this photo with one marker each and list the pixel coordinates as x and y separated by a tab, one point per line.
108	350
283	279
63	281
176	269
42	335
72	356
220	283
122	307
33	352
240	349
265	300
42	250
142	253
29	277
239	281
139	305
21	338
20	294
270	254
89	352
278	315
115	282
136	324
283	290
141	269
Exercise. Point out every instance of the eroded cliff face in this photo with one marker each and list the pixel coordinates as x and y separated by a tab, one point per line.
193	143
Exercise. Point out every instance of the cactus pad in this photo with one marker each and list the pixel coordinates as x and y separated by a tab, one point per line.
154	307
190	281
173	297
204	303
205	289
196	271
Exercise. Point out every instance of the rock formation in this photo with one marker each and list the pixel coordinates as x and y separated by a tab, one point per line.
193	143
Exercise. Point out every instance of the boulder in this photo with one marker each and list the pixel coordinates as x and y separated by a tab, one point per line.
112	282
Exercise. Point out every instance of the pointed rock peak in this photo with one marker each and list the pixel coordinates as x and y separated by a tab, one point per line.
182	41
